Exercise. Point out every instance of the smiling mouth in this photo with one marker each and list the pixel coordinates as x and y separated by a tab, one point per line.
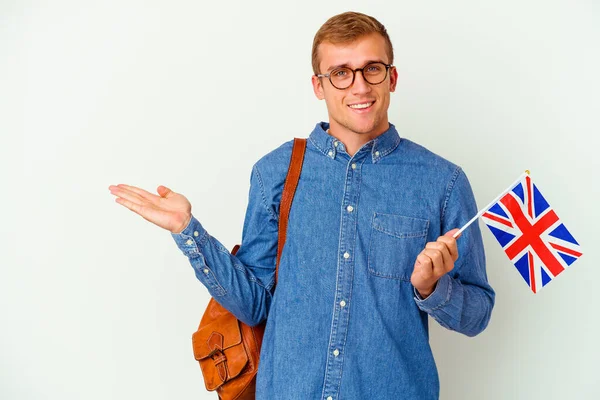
361	106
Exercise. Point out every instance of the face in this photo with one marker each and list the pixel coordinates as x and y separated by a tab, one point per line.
346	108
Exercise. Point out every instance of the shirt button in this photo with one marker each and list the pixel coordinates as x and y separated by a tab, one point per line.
196	233
336	352
350	208
335	143
353	166
330	153
205	271
189	242
343	303
346	255
377	153
330	398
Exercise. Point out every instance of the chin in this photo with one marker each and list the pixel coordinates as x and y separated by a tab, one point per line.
365	131
364	128
361	126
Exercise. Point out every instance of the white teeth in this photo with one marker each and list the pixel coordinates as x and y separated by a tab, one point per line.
363	105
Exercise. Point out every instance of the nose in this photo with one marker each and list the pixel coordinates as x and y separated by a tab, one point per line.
360	85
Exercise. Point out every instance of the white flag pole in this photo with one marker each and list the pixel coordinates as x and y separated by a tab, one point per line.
484	209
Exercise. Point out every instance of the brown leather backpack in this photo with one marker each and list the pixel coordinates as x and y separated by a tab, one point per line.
227	349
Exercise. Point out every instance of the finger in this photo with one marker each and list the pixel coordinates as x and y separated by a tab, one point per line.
136	208
128	195
437	260
451	232
142	193
451	245
164	191
424	267
442	248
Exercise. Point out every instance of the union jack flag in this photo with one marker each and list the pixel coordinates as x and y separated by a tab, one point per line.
531	234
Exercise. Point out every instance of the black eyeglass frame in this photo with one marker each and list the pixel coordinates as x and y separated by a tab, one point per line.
328	75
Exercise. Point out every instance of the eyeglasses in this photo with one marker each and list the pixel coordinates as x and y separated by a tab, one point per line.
342	78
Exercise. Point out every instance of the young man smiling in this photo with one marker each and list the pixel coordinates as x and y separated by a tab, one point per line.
369	251
357	109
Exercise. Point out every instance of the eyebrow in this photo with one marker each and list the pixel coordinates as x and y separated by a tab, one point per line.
346	65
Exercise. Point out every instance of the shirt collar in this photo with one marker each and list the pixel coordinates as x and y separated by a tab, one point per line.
379	147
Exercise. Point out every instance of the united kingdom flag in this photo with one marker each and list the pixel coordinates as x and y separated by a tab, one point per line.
533	237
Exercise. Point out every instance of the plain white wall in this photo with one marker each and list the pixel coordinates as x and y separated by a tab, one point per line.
96	303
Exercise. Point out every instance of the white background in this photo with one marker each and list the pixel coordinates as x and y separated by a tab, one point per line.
97	303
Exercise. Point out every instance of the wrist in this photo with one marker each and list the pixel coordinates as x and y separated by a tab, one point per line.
186	222
424	293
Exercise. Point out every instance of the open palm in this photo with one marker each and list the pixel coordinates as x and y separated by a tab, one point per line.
169	210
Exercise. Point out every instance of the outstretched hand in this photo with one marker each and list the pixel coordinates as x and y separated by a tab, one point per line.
169	210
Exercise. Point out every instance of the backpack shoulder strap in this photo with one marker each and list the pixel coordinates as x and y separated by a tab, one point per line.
289	189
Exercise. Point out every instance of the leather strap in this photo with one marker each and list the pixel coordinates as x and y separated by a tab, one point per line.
289	189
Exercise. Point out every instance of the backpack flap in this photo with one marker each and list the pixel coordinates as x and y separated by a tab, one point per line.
219	349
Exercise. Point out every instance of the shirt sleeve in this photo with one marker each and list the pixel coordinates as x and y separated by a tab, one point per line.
463	299
241	283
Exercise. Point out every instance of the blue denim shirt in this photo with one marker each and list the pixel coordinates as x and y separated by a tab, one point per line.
344	321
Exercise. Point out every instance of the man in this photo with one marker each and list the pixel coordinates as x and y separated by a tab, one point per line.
369	251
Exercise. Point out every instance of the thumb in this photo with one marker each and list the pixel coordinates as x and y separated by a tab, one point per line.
452	232
164	191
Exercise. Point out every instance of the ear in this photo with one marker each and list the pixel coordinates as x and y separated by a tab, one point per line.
317	87
393	79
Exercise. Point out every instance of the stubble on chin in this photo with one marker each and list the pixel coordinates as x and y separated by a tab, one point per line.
361	129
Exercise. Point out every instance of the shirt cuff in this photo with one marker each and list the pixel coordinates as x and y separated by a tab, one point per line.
438	298
191	238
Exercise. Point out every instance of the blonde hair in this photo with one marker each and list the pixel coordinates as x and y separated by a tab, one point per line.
346	28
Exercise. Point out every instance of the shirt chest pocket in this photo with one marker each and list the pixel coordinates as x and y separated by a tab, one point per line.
395	243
